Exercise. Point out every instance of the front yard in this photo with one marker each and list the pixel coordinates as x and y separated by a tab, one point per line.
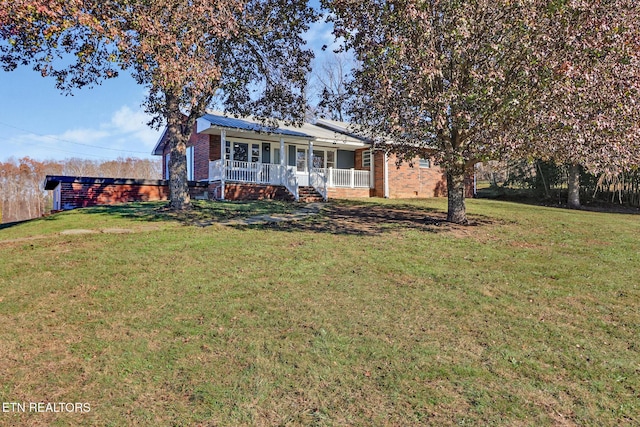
374	312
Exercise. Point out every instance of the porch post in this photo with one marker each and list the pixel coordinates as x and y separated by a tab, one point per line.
223	145
353	177
283	160
310	159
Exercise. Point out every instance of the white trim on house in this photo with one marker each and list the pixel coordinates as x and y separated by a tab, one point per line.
57	197
190	164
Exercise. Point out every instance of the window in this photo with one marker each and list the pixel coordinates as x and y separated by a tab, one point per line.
331	159
255	153
240	152
276	156
301	159
167	157
366	159
425	163
318	159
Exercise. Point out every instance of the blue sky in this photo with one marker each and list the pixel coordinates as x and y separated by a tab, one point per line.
102	123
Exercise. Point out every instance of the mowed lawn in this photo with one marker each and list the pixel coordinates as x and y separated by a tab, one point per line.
373	313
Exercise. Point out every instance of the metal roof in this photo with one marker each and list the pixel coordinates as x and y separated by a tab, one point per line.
240	124
334	132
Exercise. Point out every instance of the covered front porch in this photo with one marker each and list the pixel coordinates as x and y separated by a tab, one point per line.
295	158
321	179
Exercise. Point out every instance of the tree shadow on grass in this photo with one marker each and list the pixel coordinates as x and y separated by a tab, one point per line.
201	212
13	224
352	218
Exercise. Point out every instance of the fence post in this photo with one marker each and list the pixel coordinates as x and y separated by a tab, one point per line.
353	177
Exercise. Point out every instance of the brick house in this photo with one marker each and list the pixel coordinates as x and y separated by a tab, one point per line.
241	159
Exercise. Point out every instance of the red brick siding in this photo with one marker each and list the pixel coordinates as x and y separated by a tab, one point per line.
255	192
406	181
214	147
200	143
346	193
378	174
76	195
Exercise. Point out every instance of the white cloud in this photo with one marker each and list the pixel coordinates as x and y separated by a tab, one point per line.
126	134
80	135
126	121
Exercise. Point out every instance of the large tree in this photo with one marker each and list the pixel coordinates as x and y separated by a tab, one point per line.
462	77
249	53
588	117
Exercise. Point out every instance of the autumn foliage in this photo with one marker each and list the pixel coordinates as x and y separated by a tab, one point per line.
249	54
480	79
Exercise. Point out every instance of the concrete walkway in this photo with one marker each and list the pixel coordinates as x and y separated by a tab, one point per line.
305	212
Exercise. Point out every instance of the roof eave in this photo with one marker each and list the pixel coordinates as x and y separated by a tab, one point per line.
159	148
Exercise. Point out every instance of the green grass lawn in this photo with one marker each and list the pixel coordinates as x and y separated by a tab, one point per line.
373	313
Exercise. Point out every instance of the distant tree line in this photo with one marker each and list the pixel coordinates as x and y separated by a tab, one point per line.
549	181
22	194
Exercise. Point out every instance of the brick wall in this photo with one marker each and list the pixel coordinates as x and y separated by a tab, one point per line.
378	174
409	182
215	190
78	192
76	195
346	193
406	181
200	143
255	192
204	149
214	147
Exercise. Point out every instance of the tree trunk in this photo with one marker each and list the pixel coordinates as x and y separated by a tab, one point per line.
457	211
178	187
573	199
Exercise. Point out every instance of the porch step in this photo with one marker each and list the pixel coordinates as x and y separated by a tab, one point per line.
308	194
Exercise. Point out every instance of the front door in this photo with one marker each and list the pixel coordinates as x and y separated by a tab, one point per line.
301	167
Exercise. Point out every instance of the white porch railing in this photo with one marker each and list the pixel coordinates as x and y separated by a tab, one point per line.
350	178
318	180
255	173
260	173
275	174
290	181
216	170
